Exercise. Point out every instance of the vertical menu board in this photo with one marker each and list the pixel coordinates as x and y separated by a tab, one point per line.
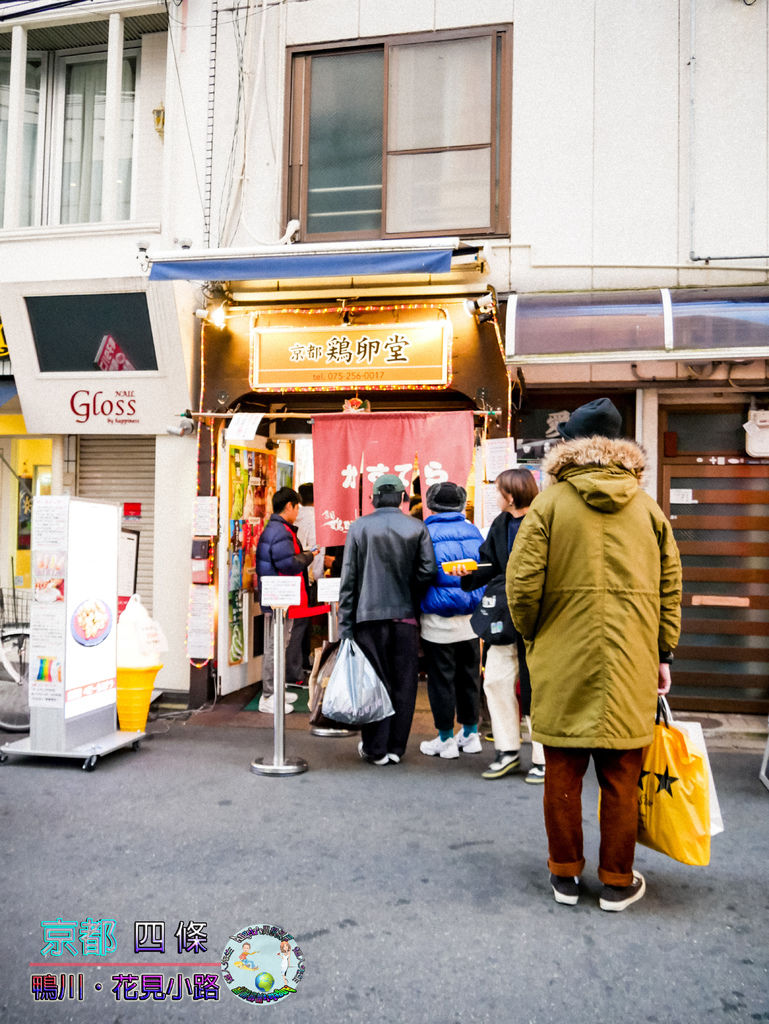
73	618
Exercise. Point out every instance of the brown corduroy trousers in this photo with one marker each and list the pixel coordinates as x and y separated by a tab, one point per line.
618	772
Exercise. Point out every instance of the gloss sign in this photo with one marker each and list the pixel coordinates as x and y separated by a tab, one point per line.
117	406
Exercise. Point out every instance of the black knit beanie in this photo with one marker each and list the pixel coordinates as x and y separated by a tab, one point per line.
446	497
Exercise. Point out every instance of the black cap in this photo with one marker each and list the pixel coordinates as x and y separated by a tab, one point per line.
598	417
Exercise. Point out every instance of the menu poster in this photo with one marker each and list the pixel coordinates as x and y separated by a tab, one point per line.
50	522
46	655
200	622
49	571
500	455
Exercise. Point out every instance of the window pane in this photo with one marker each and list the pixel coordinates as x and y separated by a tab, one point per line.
433	191
84	101
707	432
29	138
439	94
720	317
89	333
345	145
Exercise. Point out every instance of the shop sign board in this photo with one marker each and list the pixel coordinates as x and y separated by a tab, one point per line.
411	353
97	357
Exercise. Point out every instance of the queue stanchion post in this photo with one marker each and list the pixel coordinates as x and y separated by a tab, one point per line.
280	764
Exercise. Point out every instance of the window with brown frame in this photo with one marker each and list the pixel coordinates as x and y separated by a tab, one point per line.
408	136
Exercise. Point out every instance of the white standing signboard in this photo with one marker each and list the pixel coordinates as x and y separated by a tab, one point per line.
73	630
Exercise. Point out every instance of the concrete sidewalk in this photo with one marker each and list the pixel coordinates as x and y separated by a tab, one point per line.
417	893
722	731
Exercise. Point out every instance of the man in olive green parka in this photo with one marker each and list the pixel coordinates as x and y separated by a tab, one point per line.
594	587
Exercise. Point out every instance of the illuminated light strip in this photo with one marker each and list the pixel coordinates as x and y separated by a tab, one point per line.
200	426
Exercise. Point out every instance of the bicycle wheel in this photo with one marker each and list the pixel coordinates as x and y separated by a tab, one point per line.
14	683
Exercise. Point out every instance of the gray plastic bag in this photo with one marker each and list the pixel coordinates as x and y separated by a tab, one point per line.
355	694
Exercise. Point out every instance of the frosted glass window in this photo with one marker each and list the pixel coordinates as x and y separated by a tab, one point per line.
84	105
431	191
439	94
30	133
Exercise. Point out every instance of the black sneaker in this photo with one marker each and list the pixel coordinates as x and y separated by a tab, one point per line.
505	762
373	760
565	890
617	897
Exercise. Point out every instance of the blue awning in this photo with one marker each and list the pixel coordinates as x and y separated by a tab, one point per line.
331	264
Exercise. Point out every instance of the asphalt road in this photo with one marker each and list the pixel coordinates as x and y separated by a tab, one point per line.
417	893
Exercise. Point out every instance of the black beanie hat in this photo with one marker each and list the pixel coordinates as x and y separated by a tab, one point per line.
598	417
446	497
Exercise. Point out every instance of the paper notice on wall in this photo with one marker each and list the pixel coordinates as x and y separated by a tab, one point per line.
205	516
200	622
243	426
682	496
499	455
489	509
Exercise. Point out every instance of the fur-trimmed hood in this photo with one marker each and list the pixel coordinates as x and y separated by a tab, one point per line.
605	472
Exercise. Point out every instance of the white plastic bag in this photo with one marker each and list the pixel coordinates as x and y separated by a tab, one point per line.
355	694
140	640
694	731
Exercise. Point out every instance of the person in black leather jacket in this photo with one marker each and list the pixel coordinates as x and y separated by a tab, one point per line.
388	564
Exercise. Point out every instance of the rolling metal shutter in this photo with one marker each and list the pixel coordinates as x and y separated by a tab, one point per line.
118	470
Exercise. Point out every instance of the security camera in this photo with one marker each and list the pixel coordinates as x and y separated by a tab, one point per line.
142	246
186	426
184	243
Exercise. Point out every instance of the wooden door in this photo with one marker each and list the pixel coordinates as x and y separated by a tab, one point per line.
719	509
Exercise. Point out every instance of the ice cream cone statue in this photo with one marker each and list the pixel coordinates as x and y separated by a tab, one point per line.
140	643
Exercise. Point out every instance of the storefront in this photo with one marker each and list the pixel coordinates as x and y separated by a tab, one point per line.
103	371
689	371
302	352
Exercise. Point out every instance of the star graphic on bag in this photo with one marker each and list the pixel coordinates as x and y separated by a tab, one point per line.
666	781
642	777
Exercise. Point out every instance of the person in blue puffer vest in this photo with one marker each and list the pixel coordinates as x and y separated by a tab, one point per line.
450	647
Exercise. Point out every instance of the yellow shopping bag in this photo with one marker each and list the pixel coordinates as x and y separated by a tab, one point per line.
674	799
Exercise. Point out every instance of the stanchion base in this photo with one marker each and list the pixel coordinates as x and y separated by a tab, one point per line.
317	730
291	766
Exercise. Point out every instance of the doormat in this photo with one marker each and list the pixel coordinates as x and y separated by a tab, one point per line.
301	704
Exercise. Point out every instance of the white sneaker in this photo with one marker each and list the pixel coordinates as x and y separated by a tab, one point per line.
469	744
267	705
291	698
439	747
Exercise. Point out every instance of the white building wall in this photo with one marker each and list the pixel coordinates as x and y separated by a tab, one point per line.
603	192
175	480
